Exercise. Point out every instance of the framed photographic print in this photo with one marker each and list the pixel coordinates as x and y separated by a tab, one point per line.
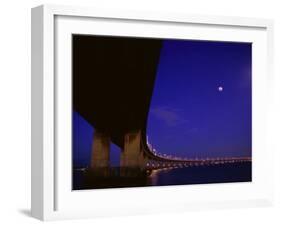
137	112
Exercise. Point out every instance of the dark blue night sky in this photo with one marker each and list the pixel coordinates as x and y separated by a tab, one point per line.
201	104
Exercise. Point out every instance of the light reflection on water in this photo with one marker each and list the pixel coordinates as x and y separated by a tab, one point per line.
236	172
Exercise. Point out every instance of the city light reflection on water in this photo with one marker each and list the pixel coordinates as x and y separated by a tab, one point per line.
236	172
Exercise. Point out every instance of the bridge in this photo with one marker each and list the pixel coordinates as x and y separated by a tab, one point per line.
113	82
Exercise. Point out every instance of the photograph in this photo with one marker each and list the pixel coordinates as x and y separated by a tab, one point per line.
160	111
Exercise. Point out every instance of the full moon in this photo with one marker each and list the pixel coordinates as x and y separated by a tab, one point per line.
220	88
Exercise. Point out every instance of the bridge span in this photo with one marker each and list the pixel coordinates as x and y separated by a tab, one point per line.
113	82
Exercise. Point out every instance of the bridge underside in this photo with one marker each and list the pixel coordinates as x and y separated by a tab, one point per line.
113	80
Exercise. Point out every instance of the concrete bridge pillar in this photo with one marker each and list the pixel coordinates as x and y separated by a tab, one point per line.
100	150
132	155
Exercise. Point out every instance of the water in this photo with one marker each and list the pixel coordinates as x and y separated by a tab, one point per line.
234	172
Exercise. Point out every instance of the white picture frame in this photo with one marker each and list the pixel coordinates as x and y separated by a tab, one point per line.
52	197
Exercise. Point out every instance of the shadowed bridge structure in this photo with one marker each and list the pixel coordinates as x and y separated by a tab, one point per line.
113	82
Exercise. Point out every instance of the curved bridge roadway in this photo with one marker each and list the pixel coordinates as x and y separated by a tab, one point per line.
113	80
